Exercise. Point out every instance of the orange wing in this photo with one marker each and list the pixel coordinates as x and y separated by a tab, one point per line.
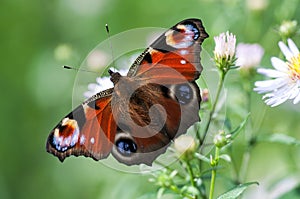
88	130
174	57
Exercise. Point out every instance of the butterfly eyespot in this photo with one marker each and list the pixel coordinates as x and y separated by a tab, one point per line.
194	30
184	93
182	36
126	146
66	135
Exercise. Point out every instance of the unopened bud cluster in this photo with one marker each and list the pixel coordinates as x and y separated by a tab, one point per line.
221	139
288	29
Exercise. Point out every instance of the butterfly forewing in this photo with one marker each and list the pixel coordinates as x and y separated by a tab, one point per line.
88	130
175	56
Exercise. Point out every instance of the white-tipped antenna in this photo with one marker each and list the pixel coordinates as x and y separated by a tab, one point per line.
111	47
78	69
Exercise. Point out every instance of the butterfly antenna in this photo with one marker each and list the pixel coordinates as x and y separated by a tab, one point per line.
110	44
78	69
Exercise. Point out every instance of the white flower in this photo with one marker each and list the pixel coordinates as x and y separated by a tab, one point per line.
97	59
248	55
225	46
285	82
257	5
102	83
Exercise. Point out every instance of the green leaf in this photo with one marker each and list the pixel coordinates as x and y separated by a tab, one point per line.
237	191
225	157
278	138
160	192
234	67
237	130
202	157
190	190
227	124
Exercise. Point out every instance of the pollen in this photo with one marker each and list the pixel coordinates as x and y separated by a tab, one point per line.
294	67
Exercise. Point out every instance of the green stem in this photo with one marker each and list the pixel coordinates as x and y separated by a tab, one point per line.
220	86
191	174
212	183
214	173
248	136
190	171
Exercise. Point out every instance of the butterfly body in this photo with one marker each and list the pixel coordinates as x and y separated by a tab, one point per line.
138	118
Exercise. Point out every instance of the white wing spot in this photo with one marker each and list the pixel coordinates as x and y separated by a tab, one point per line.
182	61
64	121
183	52
82	139
92	140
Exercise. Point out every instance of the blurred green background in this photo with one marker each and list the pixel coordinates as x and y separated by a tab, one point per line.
37	92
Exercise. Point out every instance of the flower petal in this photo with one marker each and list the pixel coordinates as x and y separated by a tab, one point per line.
285	91
279	65
278	97
293	47
274	88
271	72
276	101
294	92
88	94
285	50
271	84
297	99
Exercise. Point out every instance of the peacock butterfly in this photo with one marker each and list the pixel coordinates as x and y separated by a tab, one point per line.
137	119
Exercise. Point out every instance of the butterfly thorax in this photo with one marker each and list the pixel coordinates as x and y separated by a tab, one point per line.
114	76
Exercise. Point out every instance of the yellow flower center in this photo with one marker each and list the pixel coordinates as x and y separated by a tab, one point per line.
294	66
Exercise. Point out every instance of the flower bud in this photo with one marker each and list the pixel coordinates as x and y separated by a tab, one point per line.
63	52
185	145
205	95
224	52
221	139
288	29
